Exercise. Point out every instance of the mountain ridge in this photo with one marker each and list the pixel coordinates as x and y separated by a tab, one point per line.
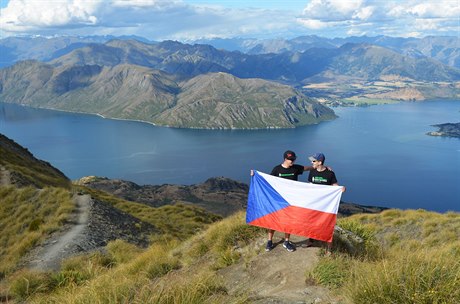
140	93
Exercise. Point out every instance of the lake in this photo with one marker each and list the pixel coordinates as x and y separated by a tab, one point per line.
380	153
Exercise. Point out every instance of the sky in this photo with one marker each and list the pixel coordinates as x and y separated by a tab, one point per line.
187	20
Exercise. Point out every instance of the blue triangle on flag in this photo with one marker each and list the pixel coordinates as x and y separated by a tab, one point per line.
263	199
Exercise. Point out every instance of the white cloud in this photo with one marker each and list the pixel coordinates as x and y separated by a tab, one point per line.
313	23
363	13
146	3
440	9
374	17
331	10
177	19
22	15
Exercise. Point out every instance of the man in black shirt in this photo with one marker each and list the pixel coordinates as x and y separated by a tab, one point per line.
321	175
291	171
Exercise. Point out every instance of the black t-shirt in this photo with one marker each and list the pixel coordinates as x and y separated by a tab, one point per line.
325	177
288	173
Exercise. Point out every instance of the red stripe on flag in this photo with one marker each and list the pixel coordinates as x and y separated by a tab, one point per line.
300	221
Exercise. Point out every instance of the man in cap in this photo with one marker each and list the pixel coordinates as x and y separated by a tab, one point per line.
322	175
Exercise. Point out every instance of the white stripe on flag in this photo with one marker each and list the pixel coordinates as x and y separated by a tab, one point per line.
323	198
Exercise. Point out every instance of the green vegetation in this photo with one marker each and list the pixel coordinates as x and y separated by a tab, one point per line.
416	259
362	101
27	216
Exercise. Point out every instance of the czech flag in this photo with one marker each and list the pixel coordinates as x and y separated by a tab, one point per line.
293	207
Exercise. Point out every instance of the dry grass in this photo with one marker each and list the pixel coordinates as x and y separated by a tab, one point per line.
163	273
27	216
419	261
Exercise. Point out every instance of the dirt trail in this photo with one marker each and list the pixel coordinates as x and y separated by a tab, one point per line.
4	176
49	255
278	276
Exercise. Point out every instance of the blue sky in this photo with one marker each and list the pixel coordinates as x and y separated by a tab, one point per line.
186	20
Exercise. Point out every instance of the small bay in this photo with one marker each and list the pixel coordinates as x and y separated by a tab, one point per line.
380	153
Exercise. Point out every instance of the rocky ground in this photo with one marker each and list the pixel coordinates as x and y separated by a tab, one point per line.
278	276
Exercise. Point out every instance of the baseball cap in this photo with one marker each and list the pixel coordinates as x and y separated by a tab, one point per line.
318	156
289	155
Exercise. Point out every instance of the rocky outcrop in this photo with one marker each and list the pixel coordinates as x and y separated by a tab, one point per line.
447	130
219	195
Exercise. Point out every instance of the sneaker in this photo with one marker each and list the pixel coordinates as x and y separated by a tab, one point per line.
269	246
288	245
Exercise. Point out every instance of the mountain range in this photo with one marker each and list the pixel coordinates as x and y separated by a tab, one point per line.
198	86
444	49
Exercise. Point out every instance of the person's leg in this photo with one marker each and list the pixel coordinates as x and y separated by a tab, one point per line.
270	240
287	236
287	244
270	234
328	248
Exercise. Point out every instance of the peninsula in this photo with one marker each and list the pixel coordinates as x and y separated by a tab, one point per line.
447	130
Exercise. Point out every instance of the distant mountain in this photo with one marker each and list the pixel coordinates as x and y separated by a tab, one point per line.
372	62
365	61
445	49
127	91
13	49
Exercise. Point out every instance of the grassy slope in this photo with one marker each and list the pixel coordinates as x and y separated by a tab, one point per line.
410	257
27	216
26	169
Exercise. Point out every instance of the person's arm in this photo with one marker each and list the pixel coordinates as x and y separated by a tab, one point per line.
309	168
335	183
343	187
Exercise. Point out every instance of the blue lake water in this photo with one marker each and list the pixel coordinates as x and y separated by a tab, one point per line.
380	153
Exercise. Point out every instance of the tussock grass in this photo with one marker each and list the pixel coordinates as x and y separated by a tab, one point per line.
419	259
423	276
162	273
153	276
331	272
27	216
223	240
